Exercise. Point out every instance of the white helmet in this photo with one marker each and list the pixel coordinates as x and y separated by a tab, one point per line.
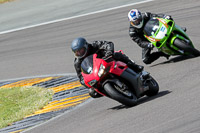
135	18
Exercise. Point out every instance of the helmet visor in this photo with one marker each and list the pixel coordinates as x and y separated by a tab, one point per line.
81	52
138	22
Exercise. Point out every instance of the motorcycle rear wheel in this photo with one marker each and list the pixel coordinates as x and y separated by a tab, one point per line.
116	95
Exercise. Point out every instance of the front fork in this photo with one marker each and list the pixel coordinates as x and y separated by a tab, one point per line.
145	77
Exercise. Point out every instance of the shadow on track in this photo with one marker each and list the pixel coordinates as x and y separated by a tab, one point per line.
175	59
147	99
142	100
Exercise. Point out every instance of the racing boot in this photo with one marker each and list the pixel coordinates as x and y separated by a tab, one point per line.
135	67
94	94
165	55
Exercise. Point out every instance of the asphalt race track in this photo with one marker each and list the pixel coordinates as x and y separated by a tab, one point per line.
46	50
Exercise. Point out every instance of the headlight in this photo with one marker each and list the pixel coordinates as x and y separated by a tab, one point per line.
92	82
101	70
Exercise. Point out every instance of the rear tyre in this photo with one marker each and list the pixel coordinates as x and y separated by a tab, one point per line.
181	44
153	87
116	95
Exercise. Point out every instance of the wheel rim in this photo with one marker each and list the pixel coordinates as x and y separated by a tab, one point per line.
125	92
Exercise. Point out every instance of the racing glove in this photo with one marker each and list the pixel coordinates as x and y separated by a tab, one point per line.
168	17
150	46
108	53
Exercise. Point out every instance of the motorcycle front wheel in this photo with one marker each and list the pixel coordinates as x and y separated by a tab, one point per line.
153	87
181	44
118	96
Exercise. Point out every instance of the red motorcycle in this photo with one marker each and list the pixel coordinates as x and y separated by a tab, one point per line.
116	80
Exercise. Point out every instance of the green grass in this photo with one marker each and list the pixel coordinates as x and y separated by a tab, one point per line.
3	1
18	102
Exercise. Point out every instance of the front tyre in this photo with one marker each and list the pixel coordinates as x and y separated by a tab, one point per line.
181	44
153	87
118	96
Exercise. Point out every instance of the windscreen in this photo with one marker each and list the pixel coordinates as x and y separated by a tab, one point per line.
151	27
87	65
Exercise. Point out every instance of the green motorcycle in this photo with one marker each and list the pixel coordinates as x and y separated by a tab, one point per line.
168	37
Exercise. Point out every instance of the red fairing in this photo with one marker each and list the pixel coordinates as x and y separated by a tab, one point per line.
94	74
116	67
120	51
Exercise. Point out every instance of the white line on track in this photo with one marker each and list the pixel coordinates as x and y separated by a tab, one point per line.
63	19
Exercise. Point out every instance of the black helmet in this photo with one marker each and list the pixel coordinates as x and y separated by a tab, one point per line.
80	47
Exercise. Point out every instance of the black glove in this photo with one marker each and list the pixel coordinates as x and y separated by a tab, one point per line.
168	17
150	46
108	53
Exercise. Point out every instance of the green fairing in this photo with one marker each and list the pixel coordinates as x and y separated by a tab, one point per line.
162	33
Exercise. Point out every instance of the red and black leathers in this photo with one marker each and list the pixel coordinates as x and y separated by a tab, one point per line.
104	48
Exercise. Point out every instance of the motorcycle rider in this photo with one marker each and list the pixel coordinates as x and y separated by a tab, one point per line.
137	23
82	49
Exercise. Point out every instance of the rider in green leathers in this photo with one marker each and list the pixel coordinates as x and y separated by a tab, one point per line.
137	23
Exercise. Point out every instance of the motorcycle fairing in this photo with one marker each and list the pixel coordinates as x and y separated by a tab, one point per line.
134	79
167	30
